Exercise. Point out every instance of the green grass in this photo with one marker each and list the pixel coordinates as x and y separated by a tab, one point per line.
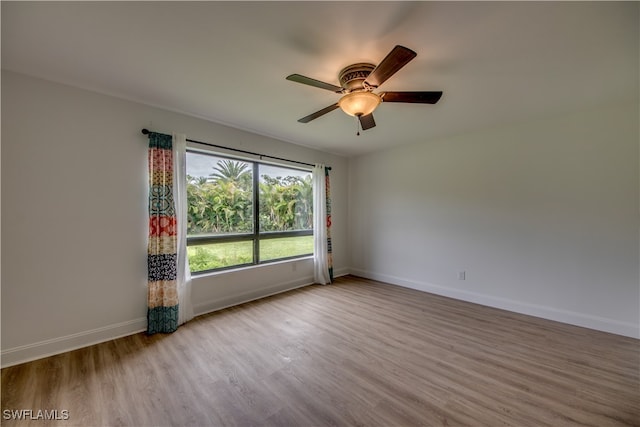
271	249
220	255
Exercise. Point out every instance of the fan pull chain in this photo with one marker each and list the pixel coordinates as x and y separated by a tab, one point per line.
357	126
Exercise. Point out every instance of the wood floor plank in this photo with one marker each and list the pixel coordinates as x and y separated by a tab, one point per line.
355	353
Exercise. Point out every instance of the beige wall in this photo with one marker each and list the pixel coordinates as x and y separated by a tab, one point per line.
542	216
74	203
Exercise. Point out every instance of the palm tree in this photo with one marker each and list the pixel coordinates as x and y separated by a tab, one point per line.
304	207
196	180
231	171
230	197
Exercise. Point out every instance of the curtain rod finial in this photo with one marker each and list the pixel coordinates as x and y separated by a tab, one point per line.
145	131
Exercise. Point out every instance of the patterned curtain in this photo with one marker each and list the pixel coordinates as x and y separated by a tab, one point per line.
322	256
328	203
162	298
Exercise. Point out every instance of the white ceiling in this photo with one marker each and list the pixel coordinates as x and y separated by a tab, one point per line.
227	61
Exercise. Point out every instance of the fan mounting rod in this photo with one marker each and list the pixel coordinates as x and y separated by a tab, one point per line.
353	76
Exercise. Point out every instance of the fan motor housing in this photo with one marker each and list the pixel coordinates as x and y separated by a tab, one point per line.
353	76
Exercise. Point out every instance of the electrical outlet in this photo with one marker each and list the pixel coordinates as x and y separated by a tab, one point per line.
462	275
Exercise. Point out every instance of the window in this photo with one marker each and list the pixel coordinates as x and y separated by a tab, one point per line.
243	213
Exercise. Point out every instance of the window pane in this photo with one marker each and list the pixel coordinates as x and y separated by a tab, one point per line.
222	198
219	255
286	199
219	195
284	247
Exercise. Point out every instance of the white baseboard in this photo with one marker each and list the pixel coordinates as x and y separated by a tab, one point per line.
46	348
545	312
243	297
341	272
51	347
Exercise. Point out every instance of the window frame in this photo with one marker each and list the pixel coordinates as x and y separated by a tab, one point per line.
256	236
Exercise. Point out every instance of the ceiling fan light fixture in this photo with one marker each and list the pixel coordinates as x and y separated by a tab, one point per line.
357	83
359	103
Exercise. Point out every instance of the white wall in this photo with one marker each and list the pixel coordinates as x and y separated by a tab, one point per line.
542	216
74	221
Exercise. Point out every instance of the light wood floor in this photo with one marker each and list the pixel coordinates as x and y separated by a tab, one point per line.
354	353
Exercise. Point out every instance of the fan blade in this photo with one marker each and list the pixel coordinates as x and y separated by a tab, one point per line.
317	114
315	83
412	97
396	59
367	121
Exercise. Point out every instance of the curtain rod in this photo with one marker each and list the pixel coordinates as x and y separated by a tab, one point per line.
147	131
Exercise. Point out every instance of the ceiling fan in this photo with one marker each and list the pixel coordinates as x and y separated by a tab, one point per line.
357	85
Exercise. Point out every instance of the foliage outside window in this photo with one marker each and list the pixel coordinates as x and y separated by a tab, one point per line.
243	213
